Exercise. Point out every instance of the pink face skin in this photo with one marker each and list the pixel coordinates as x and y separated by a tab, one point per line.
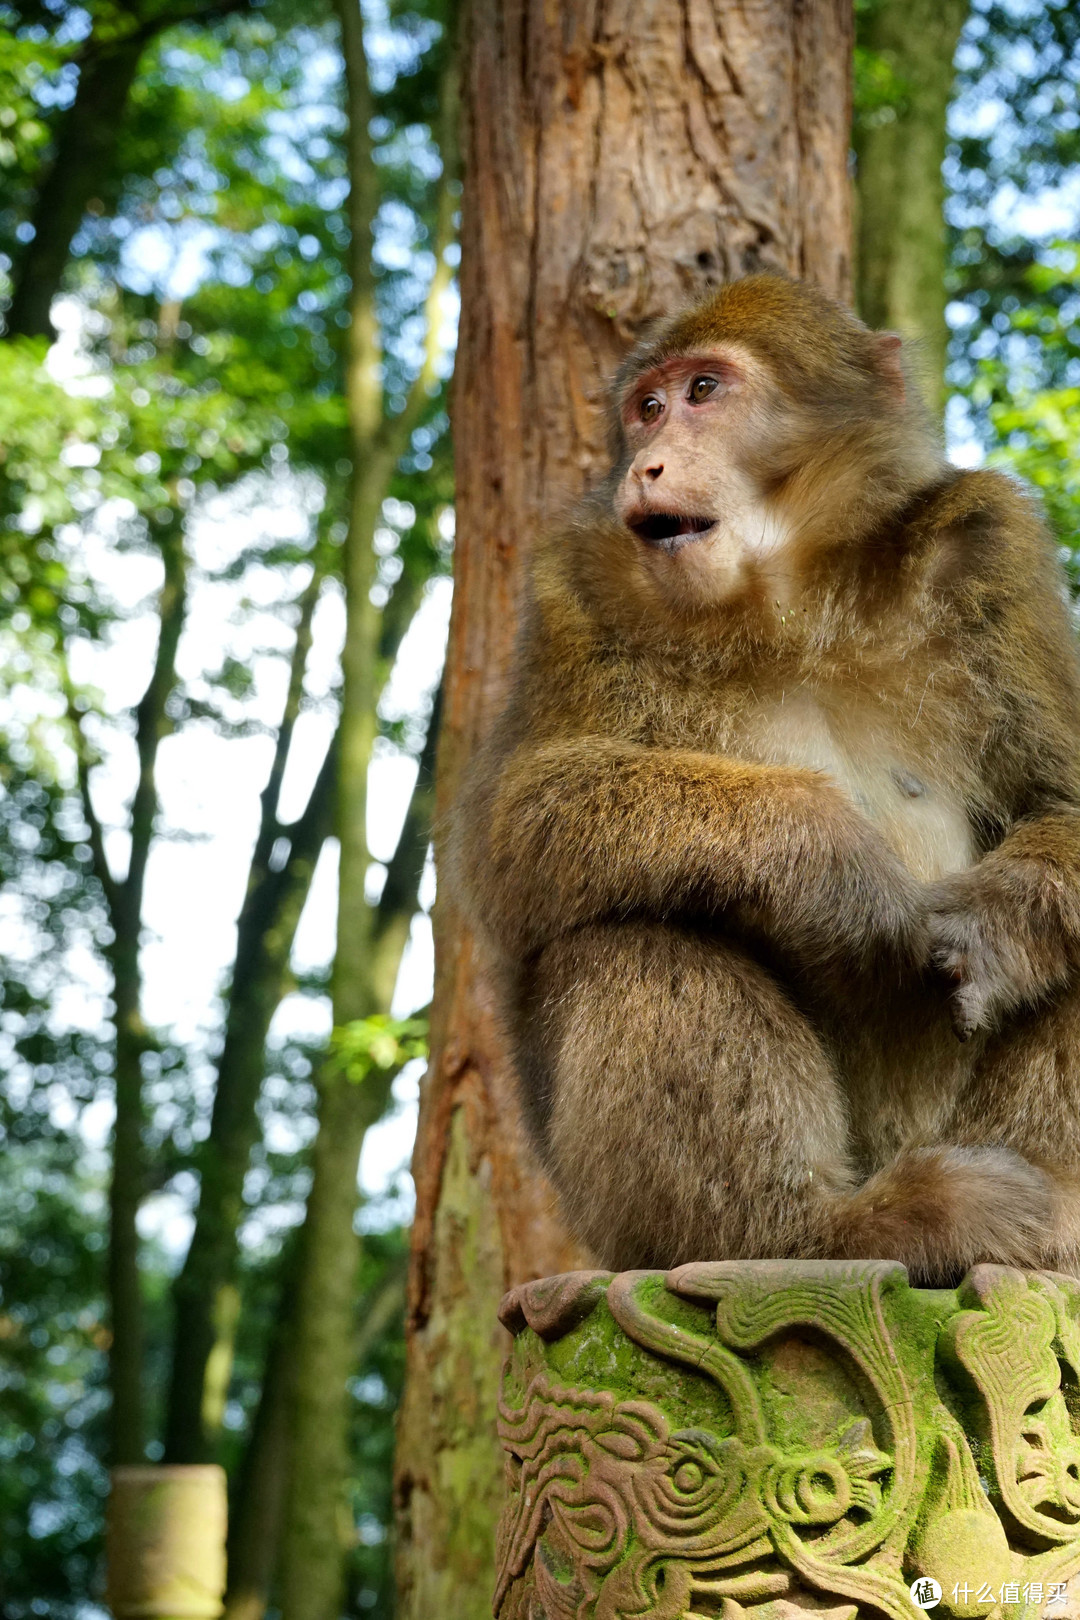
692	425
681	421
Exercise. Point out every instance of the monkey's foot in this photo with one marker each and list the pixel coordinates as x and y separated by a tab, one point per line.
941	1210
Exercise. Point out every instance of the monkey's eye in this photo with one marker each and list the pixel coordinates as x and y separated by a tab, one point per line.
650	408
701	388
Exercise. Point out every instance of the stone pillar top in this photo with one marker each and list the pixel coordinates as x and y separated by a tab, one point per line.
771	1437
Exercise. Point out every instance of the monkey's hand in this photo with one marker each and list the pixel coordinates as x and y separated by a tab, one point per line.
846	901
1003	936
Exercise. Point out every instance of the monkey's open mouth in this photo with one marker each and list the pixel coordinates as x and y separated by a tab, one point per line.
669	530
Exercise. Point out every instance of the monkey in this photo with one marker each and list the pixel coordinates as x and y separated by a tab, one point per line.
775	848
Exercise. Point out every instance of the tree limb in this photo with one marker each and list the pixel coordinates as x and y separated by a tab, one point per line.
83	764
269	826
85	147
151	717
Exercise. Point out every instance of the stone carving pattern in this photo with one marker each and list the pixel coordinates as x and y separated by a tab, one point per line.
959	1459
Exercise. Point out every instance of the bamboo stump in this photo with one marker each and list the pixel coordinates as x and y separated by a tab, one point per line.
166	1542
774	1437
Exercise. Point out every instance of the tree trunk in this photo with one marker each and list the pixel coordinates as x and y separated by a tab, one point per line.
618	161
265	933
126	1192
900	258
84	153
127	1185
259	1497
316	1532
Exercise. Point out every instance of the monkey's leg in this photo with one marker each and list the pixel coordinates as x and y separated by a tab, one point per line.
1024	1095
694	1114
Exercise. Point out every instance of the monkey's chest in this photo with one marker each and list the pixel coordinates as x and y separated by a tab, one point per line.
863	752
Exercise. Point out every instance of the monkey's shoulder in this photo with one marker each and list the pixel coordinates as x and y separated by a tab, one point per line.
981	534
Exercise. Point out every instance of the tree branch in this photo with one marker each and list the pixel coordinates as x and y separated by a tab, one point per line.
363	384
265	933
405	868
269	826
83	763
151	717
85	146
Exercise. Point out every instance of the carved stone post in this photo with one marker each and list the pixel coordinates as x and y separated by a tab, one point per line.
775	1437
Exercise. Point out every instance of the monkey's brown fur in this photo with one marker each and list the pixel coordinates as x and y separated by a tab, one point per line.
734	992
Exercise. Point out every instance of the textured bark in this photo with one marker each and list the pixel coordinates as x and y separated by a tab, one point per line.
900	260
619	158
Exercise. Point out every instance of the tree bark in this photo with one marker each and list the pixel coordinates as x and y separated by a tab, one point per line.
618	160
900	257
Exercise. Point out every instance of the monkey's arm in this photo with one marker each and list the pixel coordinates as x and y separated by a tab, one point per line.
1007	933
572	832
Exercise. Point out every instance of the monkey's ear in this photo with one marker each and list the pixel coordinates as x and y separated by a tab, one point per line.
889	366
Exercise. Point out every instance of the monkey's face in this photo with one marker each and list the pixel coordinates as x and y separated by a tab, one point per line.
700	429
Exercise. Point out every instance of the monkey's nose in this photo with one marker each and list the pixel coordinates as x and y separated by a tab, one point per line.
655	470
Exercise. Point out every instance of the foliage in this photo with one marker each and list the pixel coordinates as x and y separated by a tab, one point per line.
1027	390
880	94
1014	217
378	1042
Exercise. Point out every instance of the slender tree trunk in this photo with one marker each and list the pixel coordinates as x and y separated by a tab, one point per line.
84	153
127	1186
126	1191
255	1529
318	1527
618	159
259	1498
265	934
900	258
255	1526
313	1545
316	1538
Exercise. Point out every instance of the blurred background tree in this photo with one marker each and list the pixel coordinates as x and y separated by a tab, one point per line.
967	143
229	470
226	272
